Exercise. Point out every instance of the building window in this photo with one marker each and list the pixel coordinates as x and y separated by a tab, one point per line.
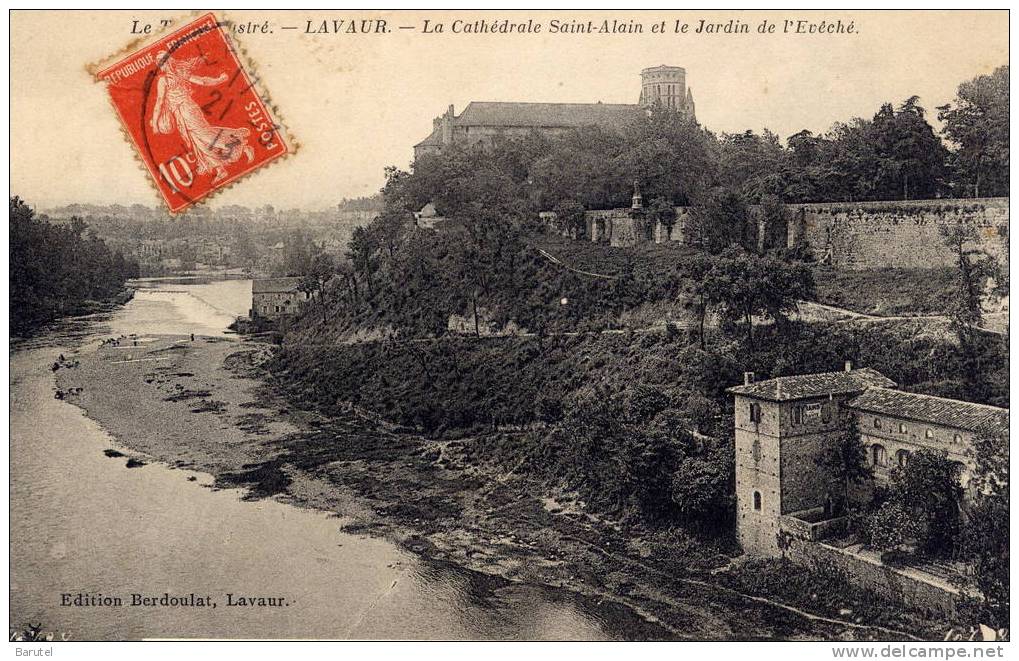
756	449
957	438
797	415
755	412
902	427
902	457
757	501
826	414
877	423
878	455
929	433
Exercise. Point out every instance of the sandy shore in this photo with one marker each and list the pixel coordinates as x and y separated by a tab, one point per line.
205	405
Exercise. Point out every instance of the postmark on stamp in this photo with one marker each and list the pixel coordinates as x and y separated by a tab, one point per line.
194	112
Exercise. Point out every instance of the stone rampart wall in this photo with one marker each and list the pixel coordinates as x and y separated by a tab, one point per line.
847	235
900	234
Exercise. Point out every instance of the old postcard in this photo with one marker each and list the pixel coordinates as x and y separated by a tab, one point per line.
515	325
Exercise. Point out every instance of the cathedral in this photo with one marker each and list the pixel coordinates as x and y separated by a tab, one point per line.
481	121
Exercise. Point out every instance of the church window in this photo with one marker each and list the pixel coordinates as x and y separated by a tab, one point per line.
929	433
902	457
878	455
877	423
957	438
756	449
797	415
757	500
902	427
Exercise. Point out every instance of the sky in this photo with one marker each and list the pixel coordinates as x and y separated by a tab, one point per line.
356	103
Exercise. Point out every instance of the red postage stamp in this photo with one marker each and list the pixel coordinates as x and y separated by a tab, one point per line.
193	112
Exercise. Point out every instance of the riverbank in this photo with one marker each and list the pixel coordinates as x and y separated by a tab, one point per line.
25	328
204	405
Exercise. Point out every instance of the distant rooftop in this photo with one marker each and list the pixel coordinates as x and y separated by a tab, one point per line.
803	386
497	113
274	285
927	408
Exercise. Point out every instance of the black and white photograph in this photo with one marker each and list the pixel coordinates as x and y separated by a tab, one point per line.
509	325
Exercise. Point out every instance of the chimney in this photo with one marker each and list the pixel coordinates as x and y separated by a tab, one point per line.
849	366
748	378
447	126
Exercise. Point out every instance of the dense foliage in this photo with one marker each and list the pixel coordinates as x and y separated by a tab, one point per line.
922	505
984	538
893	155
977	124
54	269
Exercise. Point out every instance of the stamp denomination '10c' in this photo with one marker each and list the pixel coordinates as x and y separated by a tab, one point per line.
193	112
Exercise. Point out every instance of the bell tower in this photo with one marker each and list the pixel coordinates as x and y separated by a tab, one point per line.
666	86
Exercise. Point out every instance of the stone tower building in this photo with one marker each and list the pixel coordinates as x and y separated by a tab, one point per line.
782	425
666	86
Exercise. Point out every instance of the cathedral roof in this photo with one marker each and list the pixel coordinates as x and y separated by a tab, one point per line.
937	410
497	113
803	386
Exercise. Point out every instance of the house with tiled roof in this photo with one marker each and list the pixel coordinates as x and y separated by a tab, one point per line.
894	424
272	298
784	424
483	121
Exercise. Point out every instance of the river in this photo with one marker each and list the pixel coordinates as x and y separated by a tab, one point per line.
83	523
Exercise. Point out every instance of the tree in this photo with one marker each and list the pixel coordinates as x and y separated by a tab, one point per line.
722	221
977	123
743	285
775	221
698	291
390	228
321	269
570	218
703	487
55	268
974	268
668	154
985	534
928	488
974	265
752	164
845	458
919	153
361	252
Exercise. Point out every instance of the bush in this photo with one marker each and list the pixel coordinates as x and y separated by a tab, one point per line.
892	527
